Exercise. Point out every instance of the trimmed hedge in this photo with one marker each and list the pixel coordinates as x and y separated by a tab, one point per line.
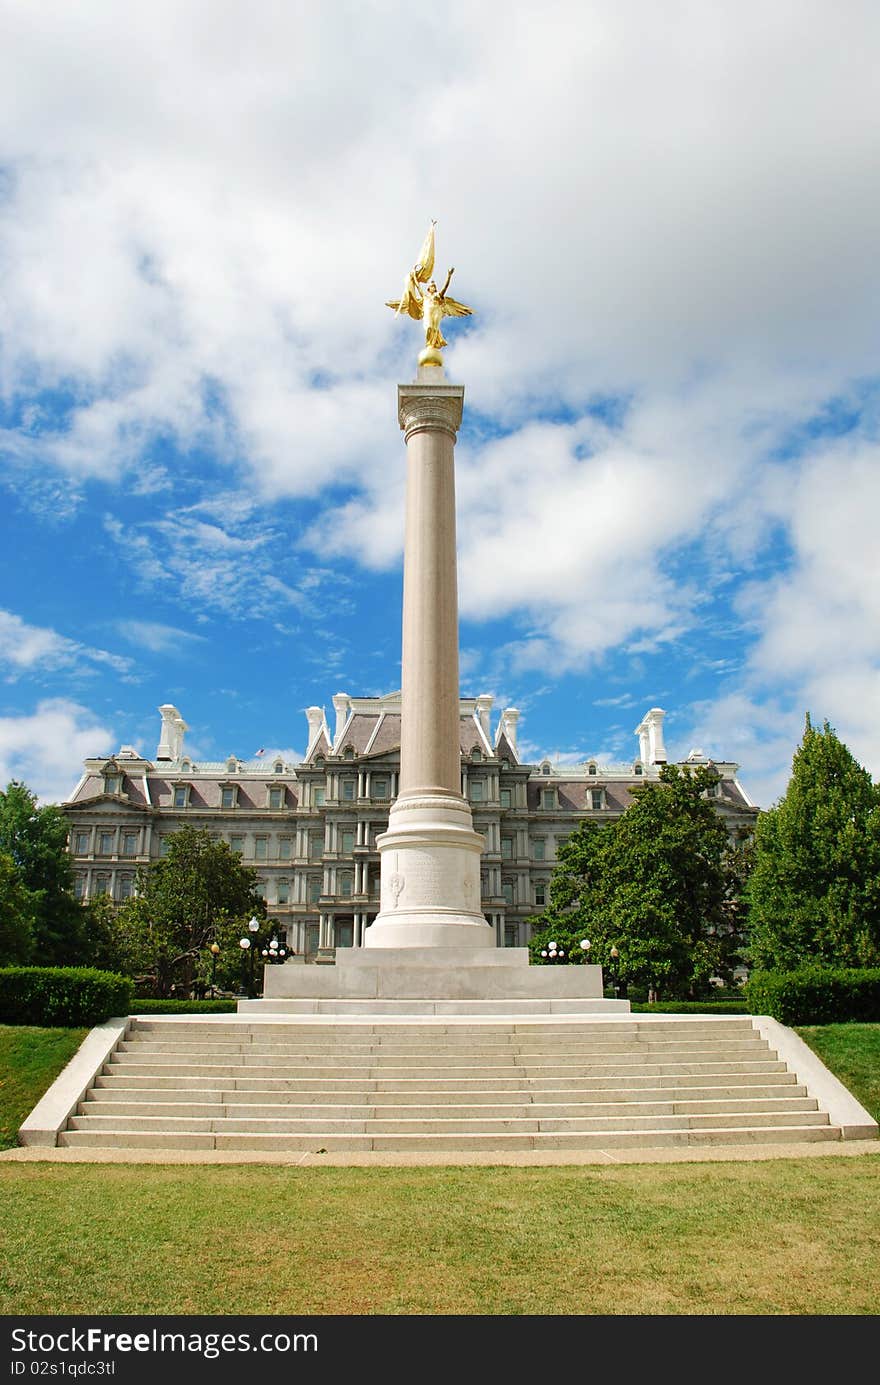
691	1007
816	995
66	997
182	1007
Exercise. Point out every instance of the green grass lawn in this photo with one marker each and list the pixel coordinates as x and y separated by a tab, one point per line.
852	1052
789	1236
775	1237
30	1060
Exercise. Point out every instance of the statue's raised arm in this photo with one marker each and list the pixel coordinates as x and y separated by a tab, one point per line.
428	306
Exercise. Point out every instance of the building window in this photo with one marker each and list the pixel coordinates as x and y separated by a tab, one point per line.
283	892
348	790
346	842
637	769
278	767
237	844
181	794
276	798
126	886
379	789
102	885
475	790
506	798
79	887
319	797
510	935
348	753
284	845
129	843
507	891
545	768
164	845
548	798
314	888
540	893
507	848
476	755
260	844
346	884
596	797
113	783
539	849
316	845
81	844
591	769
105	843
228	796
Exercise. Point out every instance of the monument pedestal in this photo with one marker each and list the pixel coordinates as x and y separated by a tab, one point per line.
481	980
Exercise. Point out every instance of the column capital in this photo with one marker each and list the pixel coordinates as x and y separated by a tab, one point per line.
432	408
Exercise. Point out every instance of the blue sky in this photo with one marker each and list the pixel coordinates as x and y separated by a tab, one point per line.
666	221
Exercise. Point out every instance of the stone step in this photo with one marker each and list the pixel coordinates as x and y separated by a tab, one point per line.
498	1142
228	1071
532	1124
391	1110
732	1081
116	1098
293	1032
419	1047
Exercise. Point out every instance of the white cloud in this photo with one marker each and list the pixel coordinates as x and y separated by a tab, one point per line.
156	637
45	749
34	649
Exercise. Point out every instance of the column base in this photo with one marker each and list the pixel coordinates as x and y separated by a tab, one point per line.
430	876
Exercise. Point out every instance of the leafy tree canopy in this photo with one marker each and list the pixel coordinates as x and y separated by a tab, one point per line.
18	909
814	894
182	902
660	883
35	839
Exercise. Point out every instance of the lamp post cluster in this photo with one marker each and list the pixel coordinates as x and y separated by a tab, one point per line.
271	950
553	953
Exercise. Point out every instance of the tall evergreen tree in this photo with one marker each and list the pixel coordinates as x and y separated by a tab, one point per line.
814	893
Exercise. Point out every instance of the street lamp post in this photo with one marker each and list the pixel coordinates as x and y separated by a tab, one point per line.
215	953
273	950
615	982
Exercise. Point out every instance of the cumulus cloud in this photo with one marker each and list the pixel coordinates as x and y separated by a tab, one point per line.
45	749
33	649
665	218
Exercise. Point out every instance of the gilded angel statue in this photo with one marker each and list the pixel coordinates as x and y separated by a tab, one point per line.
428	306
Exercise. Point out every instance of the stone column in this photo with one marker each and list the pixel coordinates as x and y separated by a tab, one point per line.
430	883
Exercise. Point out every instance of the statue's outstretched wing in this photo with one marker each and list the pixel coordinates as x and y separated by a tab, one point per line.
452	308
425	264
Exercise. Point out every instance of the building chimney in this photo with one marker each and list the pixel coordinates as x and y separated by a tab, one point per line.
507	727
484	708
315	718
173	728
652	751
342	706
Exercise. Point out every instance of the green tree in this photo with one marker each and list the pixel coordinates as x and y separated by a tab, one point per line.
36	840
17	913
814	893
183	901
660	884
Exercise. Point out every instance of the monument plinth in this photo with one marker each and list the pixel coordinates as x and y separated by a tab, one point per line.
430	855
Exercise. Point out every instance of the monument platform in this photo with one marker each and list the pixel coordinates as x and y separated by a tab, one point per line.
476	977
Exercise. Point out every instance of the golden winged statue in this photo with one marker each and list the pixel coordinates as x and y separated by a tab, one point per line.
428	306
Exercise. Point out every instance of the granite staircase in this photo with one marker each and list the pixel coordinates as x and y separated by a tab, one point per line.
390	1085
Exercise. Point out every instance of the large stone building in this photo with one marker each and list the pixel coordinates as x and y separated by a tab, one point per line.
309	829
